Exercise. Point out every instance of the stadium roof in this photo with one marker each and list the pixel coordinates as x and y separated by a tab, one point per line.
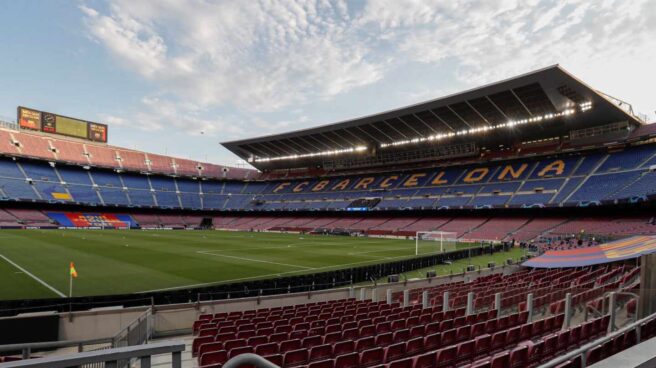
535	98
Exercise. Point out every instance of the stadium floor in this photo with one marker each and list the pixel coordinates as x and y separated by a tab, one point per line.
35	263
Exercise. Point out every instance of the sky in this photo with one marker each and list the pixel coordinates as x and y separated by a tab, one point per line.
179	77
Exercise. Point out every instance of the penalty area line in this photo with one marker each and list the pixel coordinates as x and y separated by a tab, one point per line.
59	293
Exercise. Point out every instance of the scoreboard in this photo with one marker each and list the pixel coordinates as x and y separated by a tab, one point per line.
47	122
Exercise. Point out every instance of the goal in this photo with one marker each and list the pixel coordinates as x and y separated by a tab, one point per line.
435	242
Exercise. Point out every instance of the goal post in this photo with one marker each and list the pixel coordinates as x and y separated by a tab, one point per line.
435	242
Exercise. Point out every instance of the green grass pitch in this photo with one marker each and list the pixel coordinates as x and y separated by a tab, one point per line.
34	263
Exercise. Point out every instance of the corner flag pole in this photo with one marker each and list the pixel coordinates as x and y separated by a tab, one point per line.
72	274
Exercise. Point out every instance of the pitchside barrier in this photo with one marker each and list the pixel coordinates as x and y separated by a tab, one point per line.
280	285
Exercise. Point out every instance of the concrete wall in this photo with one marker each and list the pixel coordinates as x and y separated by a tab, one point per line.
178	318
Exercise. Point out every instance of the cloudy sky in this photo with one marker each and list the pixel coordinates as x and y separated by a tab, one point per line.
178	77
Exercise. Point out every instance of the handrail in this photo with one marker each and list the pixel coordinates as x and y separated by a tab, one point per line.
54	344
109	357
249	359
583	349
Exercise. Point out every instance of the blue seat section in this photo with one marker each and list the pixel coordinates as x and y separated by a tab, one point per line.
233	188
529	199
134	181
546	184
17	189
84	194
211	187
188	186
190	200
567	189
617	175
61	219
213	202
140	197
9	169
589	163
627	159
453	201
162	184
72	175
492	200
599	187
114	196
642	187
550	167
106	179
49	191
167	199
501	187
39	171
421	202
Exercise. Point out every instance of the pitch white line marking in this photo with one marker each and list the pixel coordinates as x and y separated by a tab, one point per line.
34	277
209	253
337	266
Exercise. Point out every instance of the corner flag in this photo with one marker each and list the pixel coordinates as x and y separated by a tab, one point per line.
73	271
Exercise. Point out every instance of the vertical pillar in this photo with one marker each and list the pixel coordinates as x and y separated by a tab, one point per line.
497	303
351	292
424	299
445	301
389	296
470	303
406	298
363	294
647	300
529	306
374	294
612	311
568	310
176	360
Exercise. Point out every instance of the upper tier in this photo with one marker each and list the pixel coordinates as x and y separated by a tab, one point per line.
568	179
45	147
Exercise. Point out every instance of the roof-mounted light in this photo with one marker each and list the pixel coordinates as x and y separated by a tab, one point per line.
314	154
509	124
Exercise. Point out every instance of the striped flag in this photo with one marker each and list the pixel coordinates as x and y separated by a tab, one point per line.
73	271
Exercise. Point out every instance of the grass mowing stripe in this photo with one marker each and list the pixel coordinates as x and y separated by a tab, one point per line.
210	253
28	273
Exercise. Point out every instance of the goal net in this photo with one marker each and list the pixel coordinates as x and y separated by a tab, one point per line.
427	242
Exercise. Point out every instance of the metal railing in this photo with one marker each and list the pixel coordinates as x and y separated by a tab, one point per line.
138	332
26	350
109	358
582	351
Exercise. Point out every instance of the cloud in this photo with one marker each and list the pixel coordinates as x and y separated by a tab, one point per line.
257	56
227	66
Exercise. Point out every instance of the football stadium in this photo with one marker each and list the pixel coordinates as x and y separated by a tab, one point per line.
510	225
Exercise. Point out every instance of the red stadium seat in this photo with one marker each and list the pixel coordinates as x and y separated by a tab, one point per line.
295	358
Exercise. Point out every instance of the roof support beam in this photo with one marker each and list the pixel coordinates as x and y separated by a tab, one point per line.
425	123
341	136
410	127
317	149
458	116
442	120
478	113
251	149
279	151
521	102
374	139
394	129
381	132
339	146
497	107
